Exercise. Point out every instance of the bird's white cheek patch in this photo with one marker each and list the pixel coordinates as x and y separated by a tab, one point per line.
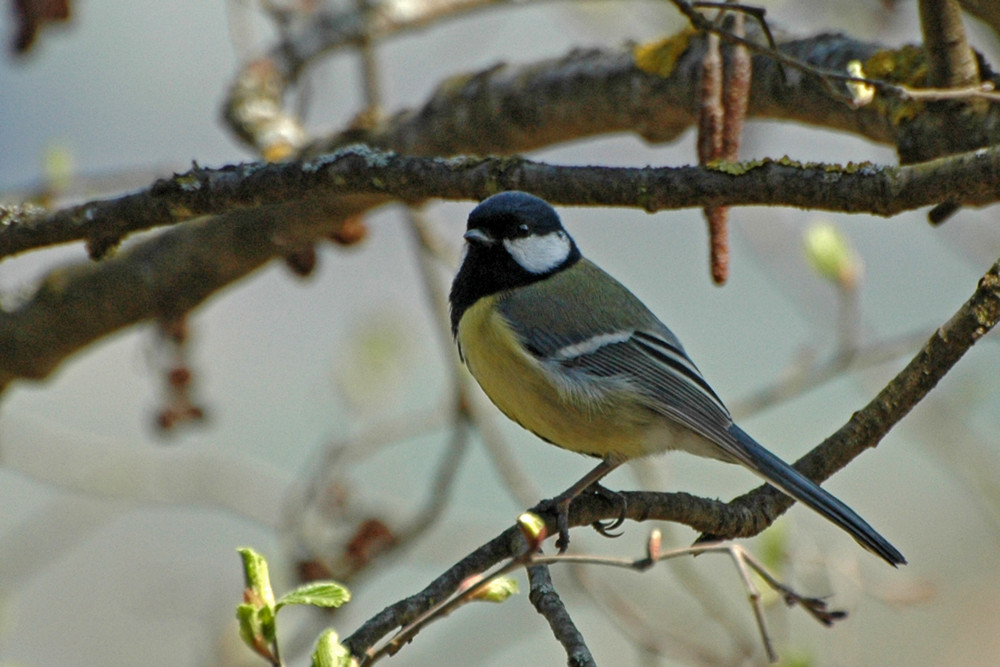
539	254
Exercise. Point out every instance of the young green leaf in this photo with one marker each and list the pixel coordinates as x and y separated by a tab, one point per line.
317	594
256	576
249	624
330	652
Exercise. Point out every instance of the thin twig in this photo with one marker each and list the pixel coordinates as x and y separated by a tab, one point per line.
825	76
549	604
649	632
815	607
468	592
985	91
563	627
753	595
758	13
743	560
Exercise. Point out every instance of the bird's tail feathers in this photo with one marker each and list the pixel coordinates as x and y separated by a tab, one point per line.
784	477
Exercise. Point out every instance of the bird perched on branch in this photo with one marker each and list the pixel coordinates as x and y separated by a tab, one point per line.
570	354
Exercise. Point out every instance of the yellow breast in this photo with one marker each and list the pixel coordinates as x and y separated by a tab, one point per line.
600	423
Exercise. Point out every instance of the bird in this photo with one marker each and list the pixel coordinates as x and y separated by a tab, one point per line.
570	354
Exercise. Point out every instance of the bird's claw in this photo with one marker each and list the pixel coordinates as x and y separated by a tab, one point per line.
560	506
605	528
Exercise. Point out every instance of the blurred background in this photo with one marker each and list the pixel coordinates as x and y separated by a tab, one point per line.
117	541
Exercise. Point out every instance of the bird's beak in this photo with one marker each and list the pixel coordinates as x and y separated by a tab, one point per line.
479	237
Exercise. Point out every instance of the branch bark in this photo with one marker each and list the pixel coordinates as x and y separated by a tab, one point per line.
268	210
356	179
160	278
647	89
651	90
592	92
263	82
952	62
546	600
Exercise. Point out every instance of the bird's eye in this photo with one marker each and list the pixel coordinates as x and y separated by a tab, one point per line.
523	228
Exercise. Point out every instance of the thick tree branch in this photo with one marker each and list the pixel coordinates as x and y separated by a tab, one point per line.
649	89
505	545
356	179
159	278
268	210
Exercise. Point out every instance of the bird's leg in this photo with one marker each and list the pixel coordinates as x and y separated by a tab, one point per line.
562	502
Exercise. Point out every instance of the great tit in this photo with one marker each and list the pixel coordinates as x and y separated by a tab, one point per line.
569	353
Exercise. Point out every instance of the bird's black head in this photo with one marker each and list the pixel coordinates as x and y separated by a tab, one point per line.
514	215
512	239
